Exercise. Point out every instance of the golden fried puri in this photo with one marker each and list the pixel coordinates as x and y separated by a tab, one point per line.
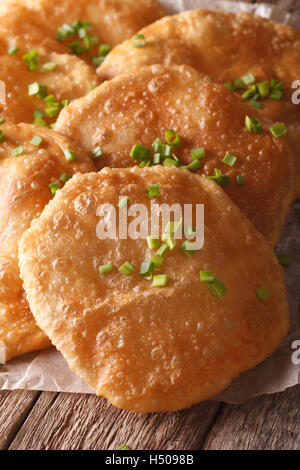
225	46
71	78
140	106
34	23
151	348
26	170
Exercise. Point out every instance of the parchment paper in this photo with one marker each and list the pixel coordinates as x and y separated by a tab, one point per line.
47	370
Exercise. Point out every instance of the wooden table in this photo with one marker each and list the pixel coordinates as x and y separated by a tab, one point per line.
43	420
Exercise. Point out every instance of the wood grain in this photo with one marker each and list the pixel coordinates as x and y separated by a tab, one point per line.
14	408
74	421
264	423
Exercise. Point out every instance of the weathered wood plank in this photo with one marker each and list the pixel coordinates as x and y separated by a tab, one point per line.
271	422
14	408
68	421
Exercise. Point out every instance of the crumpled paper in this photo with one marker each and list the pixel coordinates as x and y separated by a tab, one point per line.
47	370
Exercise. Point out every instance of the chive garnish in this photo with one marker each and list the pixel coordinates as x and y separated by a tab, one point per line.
198	153
140	153
172	138
1	136
222	180
97	152
49	66
146	269
278	129
170	162
161	251
194	165
153	242
160	280
123	447
76	47
36	140
157	260
64	177
31	59
152	190
188	248
229	159
123	203
217	287
248	79
206	276
229	86
262	293
38	89
284	260
12	50
138	40
127	268
17	151
105	268
70	155
253	125
240	180
54	187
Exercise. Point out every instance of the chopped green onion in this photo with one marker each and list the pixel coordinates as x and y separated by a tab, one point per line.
263	89
138	40
64	177
105	268
123	447
172	138
188	248
39	121
49	66
229	86
238	83
54	187
170	162
240	180
276	95
160	280
206	276
70	155
157	260
194	165
262	293
222	180
229	159
123	203
256	104
152	190
76	48
146	269
278	129
161	251
66	31
38	89
97	61
248	79
284	260
127	268
169	240
253	125
12	50
36	140
1	120
97	152
17	151
217	287
153	242
31	59
140	153
250	93
1	136
105	49
156	159
144	164
198	153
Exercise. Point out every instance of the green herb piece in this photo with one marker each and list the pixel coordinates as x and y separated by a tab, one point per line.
160	280
97	152
284	260
217	287
229	159
31	59
240	180
64	177
262	293
278	130
123	203
222	180
253	125
12	50
36	140
256	104
198	153
170	162
188	248
194	165
153	242
238	83
157	260
172	138
105	268
54	187
140	153
152	190
206	276
127	268
49	66
263	89
17	151
38	89
229	86
1	136
123	447
146	269
248	79
161	251
70	155
138	40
